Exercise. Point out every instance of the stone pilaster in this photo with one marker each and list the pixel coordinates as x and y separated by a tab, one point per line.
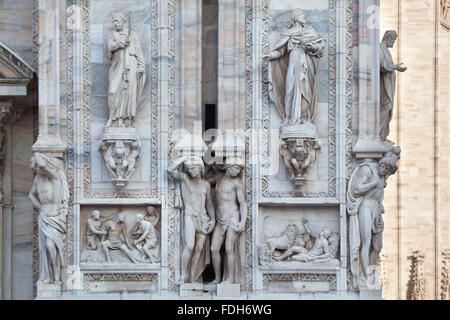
191	62
231	67
367	72
49	138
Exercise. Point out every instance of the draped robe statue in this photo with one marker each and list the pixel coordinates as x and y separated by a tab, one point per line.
387	82
50	194
294	72
126	75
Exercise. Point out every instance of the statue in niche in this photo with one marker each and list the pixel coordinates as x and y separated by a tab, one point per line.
387	79
199	216
294	64
294	71
303	246
146	238
116	238
50	194
126	75
94	231
365	208
231	216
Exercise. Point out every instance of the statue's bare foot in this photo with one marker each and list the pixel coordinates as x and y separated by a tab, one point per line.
227	280
216	281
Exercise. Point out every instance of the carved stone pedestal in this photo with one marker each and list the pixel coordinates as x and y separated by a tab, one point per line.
48	290
299	149
228	290
120	149
191	290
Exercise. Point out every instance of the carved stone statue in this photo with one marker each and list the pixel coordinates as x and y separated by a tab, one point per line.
365	208
199	216
94	231
147	238
50	194
126	75
387	81
116	238
294	71
231	216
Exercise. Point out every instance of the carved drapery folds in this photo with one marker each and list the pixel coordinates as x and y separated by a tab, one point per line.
121	147
294	63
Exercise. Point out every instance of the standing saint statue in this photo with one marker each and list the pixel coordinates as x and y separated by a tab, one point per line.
50	194
295	62
387	78
126	75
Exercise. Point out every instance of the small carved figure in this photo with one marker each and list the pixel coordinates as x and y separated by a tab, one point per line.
126	75
231	215
116	238
94	230
50	194
199	216
147	239
388	79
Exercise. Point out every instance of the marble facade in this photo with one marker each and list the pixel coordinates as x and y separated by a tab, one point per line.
197	54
